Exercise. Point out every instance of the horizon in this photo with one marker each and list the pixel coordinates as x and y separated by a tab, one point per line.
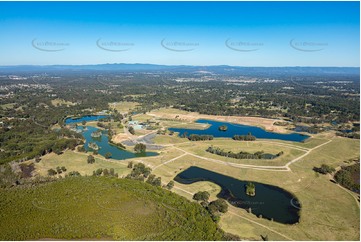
293	34
189	65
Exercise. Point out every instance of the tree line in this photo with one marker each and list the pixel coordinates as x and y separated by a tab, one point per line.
242	154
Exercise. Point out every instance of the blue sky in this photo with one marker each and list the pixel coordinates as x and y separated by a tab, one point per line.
181	33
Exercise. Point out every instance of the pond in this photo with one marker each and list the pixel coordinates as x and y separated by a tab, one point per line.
105	146
86	118
103	141
270	202
238	129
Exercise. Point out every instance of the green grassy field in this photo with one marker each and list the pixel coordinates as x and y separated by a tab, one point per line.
101	208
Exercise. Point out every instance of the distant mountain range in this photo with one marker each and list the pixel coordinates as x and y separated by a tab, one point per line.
220	69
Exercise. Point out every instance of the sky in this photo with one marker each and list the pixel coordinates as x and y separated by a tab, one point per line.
181	33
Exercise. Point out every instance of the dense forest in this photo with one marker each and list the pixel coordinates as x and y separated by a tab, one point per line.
349	177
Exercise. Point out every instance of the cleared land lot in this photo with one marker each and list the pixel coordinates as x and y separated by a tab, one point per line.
123	107
59	102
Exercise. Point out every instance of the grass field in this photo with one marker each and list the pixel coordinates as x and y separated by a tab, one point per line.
123	107
103	209
142	117
199	148
328	211
75	161
58	102
170	111
8	105
168	139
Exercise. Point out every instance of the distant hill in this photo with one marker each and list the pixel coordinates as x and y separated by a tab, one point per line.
220	69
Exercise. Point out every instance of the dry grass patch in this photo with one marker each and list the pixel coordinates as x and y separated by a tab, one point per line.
124	107
74	161
58	102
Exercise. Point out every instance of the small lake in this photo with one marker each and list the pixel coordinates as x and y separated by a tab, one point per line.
86	118
103	141
238	129
105	146
270	201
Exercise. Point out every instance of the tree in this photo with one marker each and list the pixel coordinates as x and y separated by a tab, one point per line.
63	168
106	172
139	172
37	159
324	169
108	155
98	172
157	182
81	148
83	122
59	170
170	185
151	179
201	196
219	205
223	128
130	164
91	159
52	172
140	148
111	171
250	189
74	173
154	181
131	130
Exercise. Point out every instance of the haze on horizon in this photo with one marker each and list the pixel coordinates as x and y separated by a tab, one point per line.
181	33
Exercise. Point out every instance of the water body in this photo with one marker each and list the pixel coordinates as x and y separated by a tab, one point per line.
86	118
105	146
103	141
270	201
238	129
